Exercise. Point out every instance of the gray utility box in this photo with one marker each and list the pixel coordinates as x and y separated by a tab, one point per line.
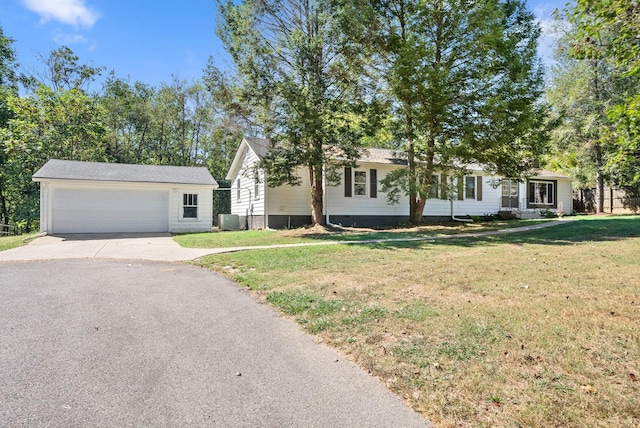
228	222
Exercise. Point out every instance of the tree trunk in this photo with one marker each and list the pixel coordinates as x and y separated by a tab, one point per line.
315	178
4	212
599	180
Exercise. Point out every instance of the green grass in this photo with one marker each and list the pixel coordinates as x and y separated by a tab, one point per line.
242	238
527	329
9	242
254	238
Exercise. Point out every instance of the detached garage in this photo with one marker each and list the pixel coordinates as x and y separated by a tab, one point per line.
94	197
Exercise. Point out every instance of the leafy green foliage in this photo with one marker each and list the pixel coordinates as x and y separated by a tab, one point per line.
462	81
295	85
175	124
607	31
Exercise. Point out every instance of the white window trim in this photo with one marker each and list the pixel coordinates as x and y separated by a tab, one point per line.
182	206
552	193
238	191
256	188
464	187
366	182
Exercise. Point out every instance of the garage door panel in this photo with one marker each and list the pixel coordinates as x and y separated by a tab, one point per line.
104	211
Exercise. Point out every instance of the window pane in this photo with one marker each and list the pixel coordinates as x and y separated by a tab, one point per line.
541	193
470	187
190	212
433	190
360	183
506	187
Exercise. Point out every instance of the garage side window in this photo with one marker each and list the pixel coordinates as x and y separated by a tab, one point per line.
190	205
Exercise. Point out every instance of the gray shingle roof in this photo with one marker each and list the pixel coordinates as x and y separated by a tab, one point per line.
383	156
98	171
259	145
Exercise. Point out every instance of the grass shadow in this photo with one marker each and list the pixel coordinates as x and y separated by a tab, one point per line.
595	229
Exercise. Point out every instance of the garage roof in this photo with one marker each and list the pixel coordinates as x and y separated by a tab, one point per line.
98	171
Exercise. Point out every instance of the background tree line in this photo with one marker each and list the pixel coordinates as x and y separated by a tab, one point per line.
55	114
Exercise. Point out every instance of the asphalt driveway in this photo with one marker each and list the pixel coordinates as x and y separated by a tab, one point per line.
107	343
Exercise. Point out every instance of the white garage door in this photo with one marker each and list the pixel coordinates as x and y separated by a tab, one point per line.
109	211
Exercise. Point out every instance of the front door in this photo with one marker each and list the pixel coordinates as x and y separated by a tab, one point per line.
510	195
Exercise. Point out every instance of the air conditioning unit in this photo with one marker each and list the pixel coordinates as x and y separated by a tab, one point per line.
228	222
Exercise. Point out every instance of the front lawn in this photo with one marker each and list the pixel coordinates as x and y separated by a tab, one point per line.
252	238
531	329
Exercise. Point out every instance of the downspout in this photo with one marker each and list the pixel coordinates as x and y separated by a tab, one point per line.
325	203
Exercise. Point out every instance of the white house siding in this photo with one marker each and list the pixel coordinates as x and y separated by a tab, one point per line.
247	204
205	210
339	205
565	195
289	206
290	200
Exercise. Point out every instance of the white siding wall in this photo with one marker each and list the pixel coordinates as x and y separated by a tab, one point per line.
172	209
205	210
248	203
565	195
338	204
291	200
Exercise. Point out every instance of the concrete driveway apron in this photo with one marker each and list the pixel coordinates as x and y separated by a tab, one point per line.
139	246
106	343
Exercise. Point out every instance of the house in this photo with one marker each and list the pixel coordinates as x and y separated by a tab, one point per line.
358	200
94	197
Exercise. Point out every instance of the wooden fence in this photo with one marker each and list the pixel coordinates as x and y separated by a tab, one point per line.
6	229
616	200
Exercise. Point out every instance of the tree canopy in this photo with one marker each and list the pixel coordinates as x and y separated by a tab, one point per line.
463	82
295	81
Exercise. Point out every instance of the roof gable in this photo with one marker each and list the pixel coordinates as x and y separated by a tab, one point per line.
259	146
98	171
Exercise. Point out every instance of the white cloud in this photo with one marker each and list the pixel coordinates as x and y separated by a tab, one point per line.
70	12
62	38
69	39
549	26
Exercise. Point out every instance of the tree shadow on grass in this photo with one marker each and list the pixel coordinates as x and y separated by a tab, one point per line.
605	229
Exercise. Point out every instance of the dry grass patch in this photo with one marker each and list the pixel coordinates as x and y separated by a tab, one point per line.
535	329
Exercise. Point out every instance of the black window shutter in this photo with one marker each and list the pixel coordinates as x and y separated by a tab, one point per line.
373	174
479	188
461	188
347	182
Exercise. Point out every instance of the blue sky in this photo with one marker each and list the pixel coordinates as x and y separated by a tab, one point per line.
144	40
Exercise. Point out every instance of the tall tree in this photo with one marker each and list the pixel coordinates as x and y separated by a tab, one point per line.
59	121
581	91
8	88
607	31
463	80
296	85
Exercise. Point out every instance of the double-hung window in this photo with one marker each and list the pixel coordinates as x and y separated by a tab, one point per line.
356	182
190	205
469	187
360	183
256	188
433	187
